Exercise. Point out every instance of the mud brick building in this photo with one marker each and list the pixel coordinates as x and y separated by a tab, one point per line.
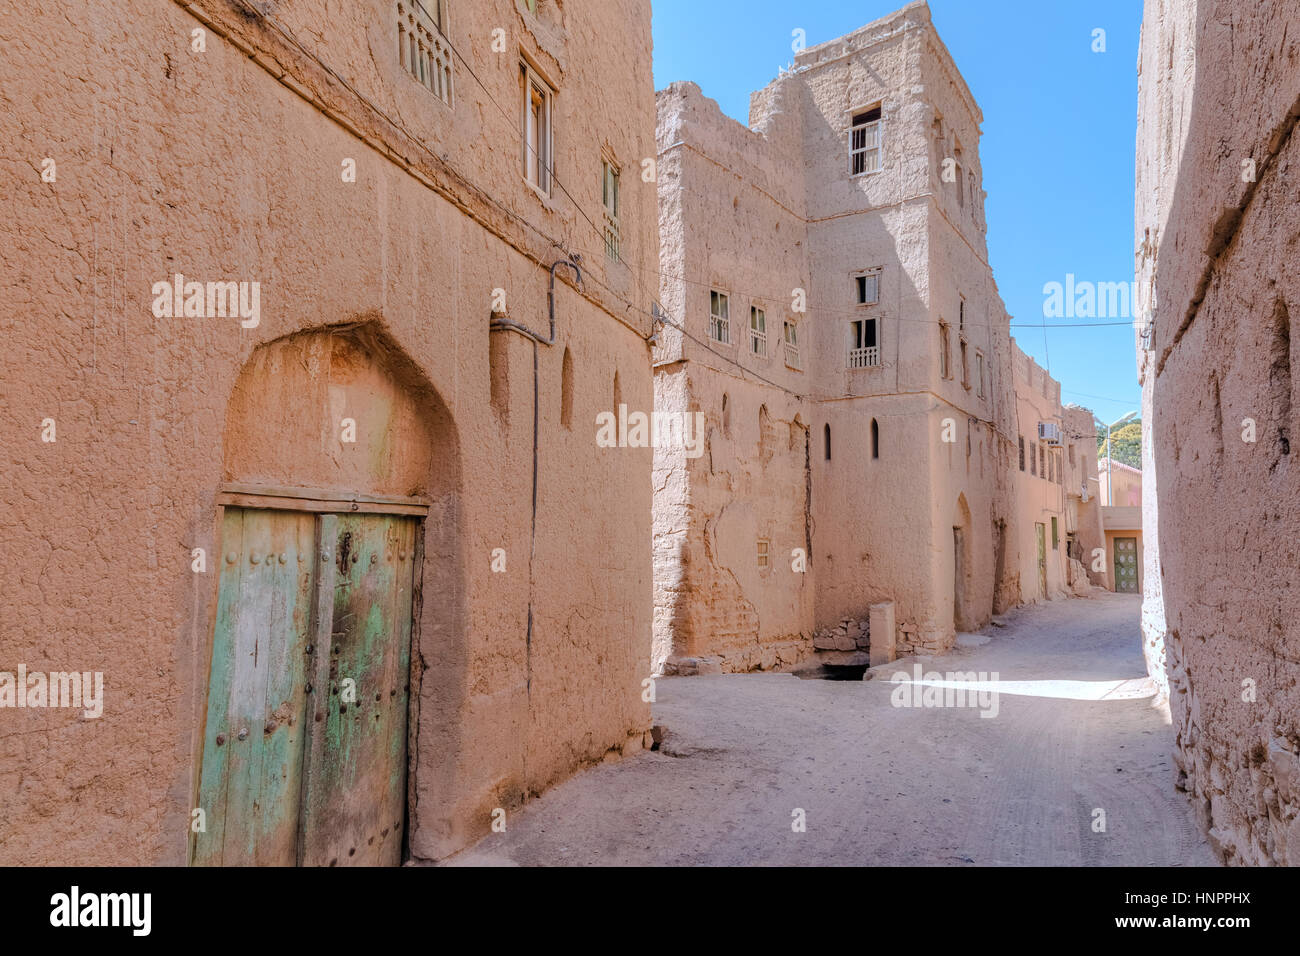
349	587
845	339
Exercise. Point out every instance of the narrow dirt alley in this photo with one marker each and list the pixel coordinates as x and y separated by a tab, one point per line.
1074	733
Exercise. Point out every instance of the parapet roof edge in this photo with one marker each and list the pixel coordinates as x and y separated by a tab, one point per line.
688	87
858	41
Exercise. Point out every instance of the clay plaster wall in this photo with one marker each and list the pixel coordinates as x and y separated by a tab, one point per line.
1122	486
1219	86
941	278
729	223
875	518
1083	510
205	164
1040	497
900	547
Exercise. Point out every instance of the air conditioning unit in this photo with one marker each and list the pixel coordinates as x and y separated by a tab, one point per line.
1049	432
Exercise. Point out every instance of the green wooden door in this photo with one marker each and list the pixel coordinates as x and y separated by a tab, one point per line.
1126	565
355	789
253	740
291	772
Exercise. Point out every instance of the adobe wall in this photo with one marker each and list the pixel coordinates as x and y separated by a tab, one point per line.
1219	87
204	164
978	391
870	527
930	246
750	485
1120	486
975	471
1039	500
731	220
1079	431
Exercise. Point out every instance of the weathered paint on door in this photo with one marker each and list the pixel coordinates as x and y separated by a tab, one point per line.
1126	565
291	773
250	785
1041	531
355	789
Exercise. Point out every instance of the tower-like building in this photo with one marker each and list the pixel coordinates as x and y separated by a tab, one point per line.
832	312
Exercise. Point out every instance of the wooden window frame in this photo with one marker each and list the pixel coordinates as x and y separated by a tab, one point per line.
866	140
720	322
790	345
537	129
861	355
860	286
611	203
757	335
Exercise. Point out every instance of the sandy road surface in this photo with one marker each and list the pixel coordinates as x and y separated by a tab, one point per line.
883	785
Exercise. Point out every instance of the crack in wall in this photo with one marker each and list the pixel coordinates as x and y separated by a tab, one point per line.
1227	227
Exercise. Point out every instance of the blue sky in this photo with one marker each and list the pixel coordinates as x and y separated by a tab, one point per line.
1059	132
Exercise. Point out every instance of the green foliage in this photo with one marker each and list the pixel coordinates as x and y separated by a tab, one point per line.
1125	444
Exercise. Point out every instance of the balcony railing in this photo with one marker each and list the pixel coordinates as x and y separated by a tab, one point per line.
864	358
792	357
612	244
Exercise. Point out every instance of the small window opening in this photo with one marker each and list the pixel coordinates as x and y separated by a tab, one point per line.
758	332
537	133
865	142
566	390
611	204
719	317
